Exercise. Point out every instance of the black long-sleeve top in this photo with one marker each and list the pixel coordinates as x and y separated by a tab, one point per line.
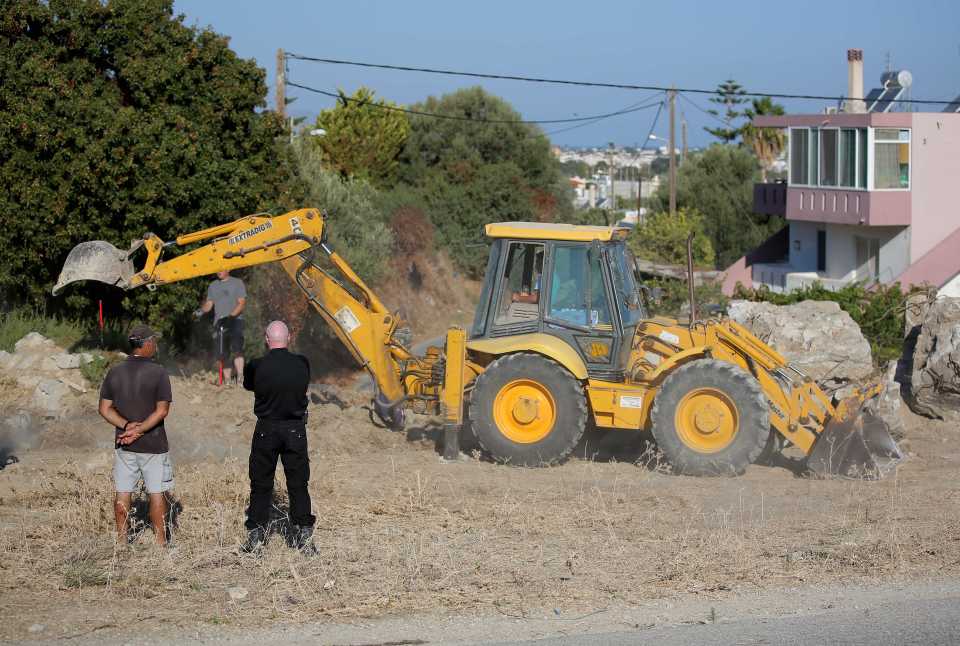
279	381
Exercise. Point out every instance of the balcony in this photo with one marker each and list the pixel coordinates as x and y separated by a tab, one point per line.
833	205
770	199
781	278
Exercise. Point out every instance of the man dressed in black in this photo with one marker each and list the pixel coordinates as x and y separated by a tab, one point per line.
279	382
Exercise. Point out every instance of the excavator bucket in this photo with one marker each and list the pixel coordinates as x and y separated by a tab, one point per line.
857	445
96	260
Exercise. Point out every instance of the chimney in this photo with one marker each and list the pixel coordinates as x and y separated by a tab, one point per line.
855	82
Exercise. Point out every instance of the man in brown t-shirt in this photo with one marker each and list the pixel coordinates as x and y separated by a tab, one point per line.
135	397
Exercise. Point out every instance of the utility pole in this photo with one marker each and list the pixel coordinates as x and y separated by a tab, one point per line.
639	194
683	138
281	105
672	94
612	203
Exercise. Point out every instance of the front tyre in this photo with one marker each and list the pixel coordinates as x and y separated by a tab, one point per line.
710	418
527	410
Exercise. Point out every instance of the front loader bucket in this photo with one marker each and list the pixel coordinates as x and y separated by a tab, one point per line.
858	446
97	260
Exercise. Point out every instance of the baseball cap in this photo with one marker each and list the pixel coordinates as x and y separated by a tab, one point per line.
143	331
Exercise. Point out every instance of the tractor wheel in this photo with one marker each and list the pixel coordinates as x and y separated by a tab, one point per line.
710	418
527	410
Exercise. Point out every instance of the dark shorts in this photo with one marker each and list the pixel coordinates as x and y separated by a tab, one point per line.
232	339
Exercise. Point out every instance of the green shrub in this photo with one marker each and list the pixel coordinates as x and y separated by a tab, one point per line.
878	310
675	298
18	323
663	238
94	371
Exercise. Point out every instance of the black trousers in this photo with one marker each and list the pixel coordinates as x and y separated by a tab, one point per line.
288	441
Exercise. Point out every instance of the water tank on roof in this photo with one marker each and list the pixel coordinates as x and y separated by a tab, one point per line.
897	78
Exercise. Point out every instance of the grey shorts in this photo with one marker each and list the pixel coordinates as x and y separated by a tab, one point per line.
156	469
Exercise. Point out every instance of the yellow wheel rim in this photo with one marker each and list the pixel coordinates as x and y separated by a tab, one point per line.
707	420
524	411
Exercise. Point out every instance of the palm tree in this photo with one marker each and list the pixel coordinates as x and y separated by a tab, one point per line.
766	143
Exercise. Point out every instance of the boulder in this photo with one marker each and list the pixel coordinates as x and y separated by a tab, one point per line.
817	337
887	405
49	398
935	365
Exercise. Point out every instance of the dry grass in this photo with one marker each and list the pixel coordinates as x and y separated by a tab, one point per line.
400	532
420	537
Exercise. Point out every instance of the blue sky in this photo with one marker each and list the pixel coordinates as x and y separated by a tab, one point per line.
797	48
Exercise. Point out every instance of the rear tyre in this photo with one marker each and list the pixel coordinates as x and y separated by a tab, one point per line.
710	418
527	410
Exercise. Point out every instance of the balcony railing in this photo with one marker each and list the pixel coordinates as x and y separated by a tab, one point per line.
770	199
833	205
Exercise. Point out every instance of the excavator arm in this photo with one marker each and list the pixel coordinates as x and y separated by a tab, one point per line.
296	240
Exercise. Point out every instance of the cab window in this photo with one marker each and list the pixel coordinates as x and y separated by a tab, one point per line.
577	293
519	298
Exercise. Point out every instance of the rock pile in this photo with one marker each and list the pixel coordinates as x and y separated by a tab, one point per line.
46	370
935	365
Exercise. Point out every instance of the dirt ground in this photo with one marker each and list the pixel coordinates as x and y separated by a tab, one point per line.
400	532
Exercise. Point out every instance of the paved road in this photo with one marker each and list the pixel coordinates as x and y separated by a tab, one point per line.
877	614
927	622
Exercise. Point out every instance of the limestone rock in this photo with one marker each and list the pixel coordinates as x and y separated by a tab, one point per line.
49	396
887	405
817	337
32	352
34	341
5	358
935	374
66	361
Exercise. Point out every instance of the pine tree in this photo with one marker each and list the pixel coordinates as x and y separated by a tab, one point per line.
730	94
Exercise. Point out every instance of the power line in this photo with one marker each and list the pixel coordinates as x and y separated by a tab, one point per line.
451	117
652	126
598	120
706	112
618	86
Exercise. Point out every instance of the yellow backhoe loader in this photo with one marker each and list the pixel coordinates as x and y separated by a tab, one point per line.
560	338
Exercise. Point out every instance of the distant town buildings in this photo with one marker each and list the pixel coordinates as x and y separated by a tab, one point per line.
595	191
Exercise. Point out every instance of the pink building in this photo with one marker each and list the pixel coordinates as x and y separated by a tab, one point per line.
871	195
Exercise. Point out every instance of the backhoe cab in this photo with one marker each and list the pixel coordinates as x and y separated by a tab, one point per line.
560	339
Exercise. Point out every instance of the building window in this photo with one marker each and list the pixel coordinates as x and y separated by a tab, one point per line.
799	152
848	157
891	154
814	157
828	157
861	160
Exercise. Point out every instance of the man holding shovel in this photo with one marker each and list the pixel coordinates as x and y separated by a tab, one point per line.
227	297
